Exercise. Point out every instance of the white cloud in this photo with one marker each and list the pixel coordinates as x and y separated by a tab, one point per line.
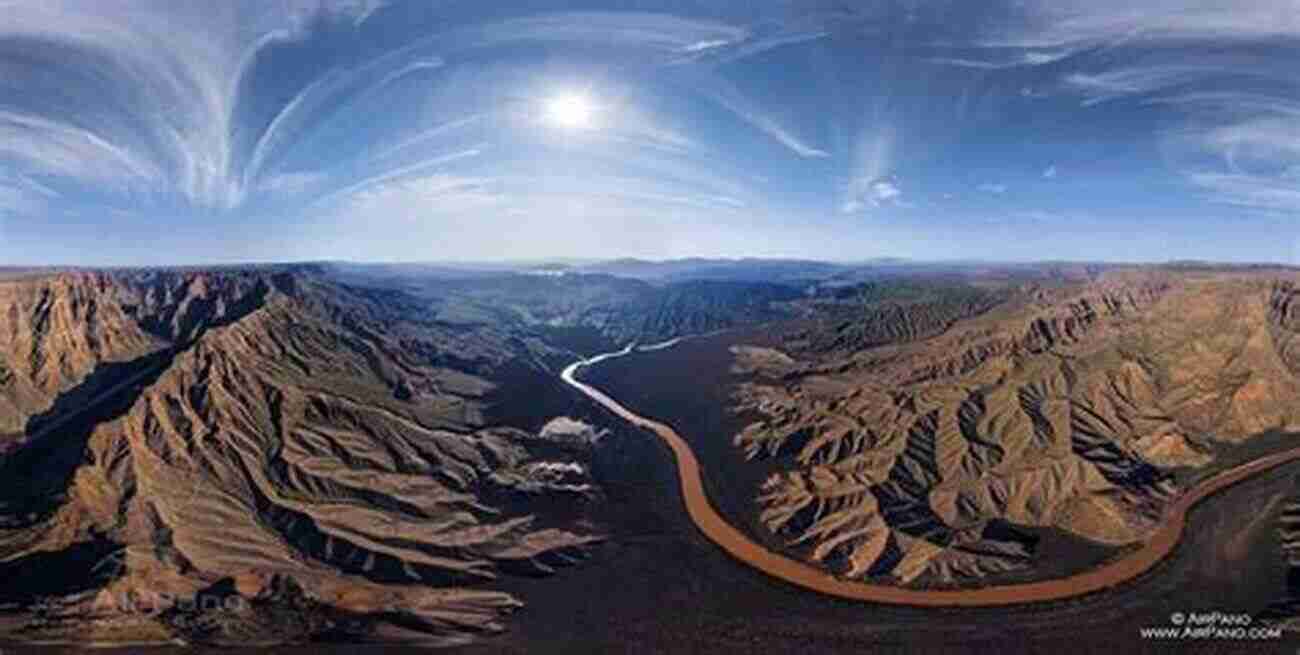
1251	191
759	44
292	183
1072	21
176	72
1140	80
1259	157
700	46
414	198
181	62
426	136
729	97
993	188
873	193
1217	64
1016	59
871	184
396	175
885	190
661	33
62	149
1050	173
1242	149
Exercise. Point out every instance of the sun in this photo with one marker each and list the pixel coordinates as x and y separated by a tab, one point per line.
572	111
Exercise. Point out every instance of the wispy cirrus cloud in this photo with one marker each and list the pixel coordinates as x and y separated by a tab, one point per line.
648	38
1016	58
167	109
397	175
1280	193
1138	80
15	200
1215	75
631	33
732	99
1054	24
215	104
60	148
1251	163
1233	133
246	111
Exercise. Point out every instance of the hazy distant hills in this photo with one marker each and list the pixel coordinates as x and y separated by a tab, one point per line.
753	269
615	309
750	269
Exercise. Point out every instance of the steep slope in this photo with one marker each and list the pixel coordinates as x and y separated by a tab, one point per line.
1066	406
282	440
57	330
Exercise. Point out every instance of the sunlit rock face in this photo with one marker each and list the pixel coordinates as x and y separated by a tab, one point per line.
1064	406
324	453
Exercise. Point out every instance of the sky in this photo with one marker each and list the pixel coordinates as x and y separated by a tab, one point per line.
138	132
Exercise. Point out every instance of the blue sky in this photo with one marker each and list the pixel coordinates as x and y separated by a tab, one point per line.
177	131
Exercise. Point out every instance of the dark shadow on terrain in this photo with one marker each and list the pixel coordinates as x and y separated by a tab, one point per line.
184	323
71	570
1288	526
526	397
36	474
1001	530
577	341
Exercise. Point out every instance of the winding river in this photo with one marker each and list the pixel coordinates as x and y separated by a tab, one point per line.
738	545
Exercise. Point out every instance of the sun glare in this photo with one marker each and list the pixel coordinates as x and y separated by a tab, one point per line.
571	111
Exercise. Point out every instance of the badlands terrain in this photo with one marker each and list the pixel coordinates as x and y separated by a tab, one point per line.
389	453
907	432
353	455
